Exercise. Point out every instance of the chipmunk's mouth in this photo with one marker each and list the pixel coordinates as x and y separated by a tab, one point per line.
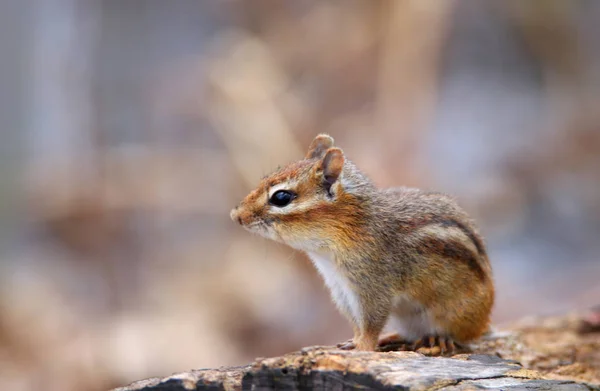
255	226
264	229
258	227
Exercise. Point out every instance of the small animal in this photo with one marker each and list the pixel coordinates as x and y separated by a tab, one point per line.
401	256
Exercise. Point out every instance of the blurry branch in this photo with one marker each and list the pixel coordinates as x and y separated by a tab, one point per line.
245	83
553	36
549	29
551	32
62	110
413	36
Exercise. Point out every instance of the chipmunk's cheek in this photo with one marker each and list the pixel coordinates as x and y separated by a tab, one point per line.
271	230
272	234
291	238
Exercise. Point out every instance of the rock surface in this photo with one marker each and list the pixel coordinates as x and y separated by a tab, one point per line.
538	354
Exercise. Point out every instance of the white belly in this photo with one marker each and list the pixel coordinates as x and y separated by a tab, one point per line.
341	290
411	320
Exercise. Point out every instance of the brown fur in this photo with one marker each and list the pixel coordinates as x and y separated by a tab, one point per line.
386	242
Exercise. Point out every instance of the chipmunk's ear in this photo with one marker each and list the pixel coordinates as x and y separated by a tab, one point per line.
331	166
319	146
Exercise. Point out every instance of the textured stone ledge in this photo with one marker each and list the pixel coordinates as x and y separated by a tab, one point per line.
538	354
331	369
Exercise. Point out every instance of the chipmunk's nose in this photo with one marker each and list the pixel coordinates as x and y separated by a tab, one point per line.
235	215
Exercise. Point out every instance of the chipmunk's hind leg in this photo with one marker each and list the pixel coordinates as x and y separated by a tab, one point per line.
392	342
434	345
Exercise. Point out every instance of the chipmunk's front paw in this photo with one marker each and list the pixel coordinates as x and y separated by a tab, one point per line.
432	345
348	345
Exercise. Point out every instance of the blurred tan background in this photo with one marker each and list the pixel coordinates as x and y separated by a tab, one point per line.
131	128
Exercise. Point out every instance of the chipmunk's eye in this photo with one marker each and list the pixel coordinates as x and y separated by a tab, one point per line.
281	198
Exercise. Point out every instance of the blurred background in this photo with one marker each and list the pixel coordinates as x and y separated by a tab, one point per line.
131	128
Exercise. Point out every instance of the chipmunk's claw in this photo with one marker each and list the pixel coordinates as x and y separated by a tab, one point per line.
348	345
432	345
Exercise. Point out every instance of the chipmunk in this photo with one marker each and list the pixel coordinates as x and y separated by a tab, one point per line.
404	255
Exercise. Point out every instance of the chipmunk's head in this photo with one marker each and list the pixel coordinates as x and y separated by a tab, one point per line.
306	204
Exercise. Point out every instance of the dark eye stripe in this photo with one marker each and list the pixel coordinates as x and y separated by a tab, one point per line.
281	198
